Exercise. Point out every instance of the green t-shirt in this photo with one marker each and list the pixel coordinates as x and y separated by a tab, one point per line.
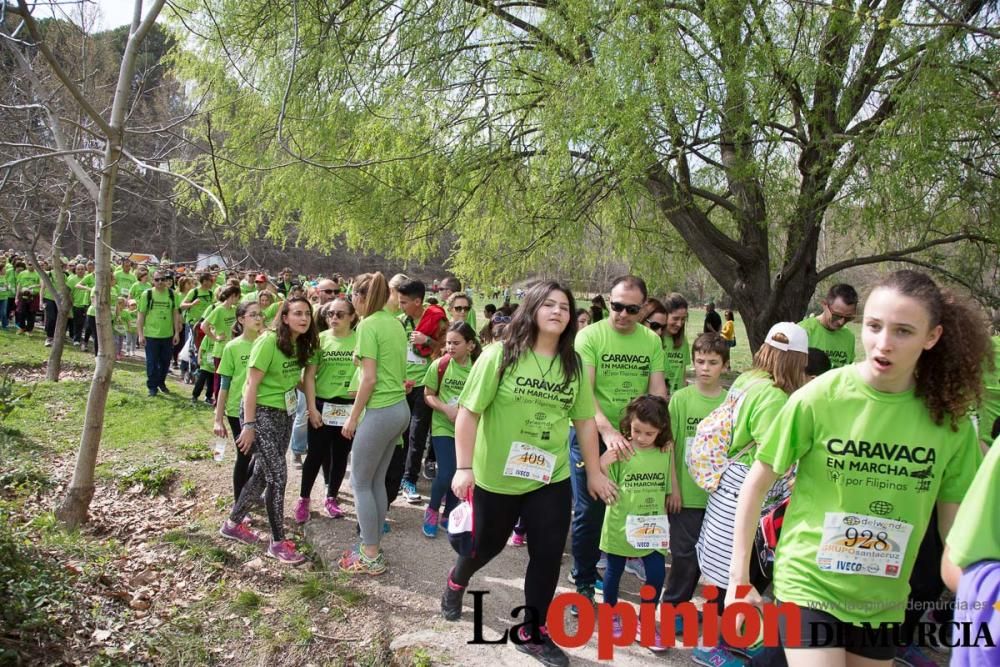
128	317
197	311
235	357
871	466
7	282
28	280
452	384
46	293
756	412
416	365
380	337
252	295
643	485
675	361
688	407
137	288
124	281
622	364
838	345
159	308
334	361
989	412
80	297
270	313
975	535
281	373
246	287
530	406
221	318
118	323
92	308
205	359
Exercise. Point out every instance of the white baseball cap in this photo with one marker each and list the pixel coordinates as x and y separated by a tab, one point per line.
798	339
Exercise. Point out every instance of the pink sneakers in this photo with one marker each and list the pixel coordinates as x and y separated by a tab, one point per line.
285	552
333	509
239	532
302	510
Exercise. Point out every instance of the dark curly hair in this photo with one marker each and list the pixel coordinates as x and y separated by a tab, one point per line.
651	410
949	376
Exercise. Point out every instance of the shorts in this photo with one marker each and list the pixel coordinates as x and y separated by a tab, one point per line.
819	629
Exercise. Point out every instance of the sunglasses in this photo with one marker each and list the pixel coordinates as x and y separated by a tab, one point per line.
461	309
631	309
655	326
501	319
338	314
330	291
834	317
160	280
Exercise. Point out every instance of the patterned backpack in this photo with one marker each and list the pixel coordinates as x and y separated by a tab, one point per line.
706	455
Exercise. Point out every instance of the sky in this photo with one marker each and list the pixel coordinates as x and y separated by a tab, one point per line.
112	13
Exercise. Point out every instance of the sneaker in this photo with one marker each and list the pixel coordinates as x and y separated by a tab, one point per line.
443	523
385	527
431	520
48	342
356	562
616	627
451	600
912	656
715	657
239	532
409	490
152	392
297	460
285	552
587	593
635	566
546	652
657	646
517	540
430	470
163	388
598	583
749	653
333	509
76	343
302	510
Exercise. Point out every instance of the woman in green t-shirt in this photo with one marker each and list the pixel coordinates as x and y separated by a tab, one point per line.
878	445
381	354
512	446
328	402
232	380
269	398
441	391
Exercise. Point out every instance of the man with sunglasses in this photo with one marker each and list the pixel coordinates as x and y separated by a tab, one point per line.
159	325
327	291
622	360
828	331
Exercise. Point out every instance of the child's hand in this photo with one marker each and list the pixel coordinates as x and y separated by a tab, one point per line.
674	503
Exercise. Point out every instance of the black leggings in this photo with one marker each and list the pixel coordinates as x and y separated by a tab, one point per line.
243	467
270	471
546	515
79	322
328	449
205	381
51	314
91	330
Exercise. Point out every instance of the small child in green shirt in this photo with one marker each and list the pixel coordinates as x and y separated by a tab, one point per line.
206	374
118	327
129	316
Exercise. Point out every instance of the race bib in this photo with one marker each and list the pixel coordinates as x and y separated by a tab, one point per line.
647	532
291	402
529	462
413	358
861	544
336	414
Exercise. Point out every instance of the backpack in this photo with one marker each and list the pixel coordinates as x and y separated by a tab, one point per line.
705	457
149	299
442	367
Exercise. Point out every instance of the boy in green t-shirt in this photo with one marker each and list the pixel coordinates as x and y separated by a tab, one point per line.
129	317
688	406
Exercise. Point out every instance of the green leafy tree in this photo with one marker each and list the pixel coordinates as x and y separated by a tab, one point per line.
735	133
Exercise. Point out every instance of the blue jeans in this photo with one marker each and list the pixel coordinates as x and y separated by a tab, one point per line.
444	452
159	351
588	517
655	573
4	318
300	429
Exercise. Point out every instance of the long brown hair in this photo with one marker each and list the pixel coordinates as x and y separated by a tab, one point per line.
306	343
786	368
672	302
520	335
949	376
375	290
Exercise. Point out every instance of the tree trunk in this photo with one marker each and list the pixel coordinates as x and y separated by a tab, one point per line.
64	302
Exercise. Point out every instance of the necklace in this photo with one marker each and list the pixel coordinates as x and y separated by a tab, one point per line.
545	373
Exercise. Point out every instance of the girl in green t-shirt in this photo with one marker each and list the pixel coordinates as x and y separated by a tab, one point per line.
441	392
233	373
381	354
274	370
512	447
878	445
635	526
328	402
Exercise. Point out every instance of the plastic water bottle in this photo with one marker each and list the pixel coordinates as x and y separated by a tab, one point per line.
218	449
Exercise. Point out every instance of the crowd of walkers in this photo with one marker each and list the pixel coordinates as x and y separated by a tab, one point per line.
602	426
